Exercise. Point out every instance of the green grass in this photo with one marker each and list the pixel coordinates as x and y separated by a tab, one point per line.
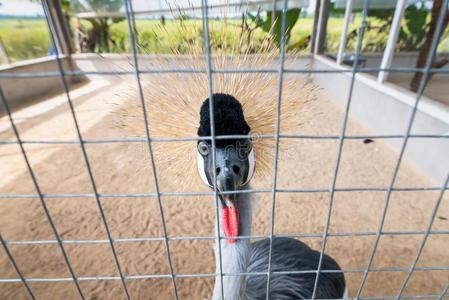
29	38
157	38
24	38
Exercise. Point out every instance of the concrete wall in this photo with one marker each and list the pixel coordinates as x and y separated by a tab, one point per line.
19	91
402	59
386	109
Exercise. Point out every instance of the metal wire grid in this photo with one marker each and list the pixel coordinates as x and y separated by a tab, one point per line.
132	30
341	141
277	136
420	92
205	17
276	147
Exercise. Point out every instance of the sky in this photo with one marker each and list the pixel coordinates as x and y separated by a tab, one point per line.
20	8
27	8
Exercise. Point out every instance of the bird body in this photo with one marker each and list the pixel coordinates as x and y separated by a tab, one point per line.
292	255
288	254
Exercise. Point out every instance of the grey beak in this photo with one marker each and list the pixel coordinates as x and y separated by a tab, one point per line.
229	171
226	184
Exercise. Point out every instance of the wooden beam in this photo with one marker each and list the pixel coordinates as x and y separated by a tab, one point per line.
321	28
439	6
60	27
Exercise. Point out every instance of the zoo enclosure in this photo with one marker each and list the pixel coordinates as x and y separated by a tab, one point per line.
353	71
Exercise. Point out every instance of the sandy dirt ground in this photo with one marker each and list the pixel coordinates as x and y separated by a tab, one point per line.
118	168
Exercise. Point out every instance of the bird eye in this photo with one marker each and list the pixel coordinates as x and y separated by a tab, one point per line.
203	148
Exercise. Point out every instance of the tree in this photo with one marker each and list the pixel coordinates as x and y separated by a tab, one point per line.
275	26
99	36
414	28
411	35
426	47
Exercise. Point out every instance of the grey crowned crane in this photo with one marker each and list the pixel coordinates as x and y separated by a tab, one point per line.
235	165
172	104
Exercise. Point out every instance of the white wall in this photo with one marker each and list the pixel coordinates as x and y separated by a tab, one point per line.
403	59
386	109
23	90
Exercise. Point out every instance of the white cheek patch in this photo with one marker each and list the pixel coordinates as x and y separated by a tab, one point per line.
251	166
201	171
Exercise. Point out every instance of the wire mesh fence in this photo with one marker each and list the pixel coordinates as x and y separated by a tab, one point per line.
274	191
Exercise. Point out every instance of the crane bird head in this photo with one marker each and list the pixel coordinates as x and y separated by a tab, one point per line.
234	157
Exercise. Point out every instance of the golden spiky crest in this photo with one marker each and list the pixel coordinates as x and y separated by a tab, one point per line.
173	101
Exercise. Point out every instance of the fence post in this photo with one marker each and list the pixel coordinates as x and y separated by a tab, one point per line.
392	39
344	33
60	28
320	26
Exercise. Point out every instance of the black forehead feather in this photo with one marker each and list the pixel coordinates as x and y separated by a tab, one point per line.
228	116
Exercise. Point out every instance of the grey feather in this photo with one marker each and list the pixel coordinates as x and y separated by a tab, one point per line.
291	255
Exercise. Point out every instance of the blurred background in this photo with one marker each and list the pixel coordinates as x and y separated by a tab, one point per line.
93	42
99	26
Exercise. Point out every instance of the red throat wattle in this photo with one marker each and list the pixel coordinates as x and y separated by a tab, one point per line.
230	223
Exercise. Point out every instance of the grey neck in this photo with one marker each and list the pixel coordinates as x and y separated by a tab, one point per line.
234	257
